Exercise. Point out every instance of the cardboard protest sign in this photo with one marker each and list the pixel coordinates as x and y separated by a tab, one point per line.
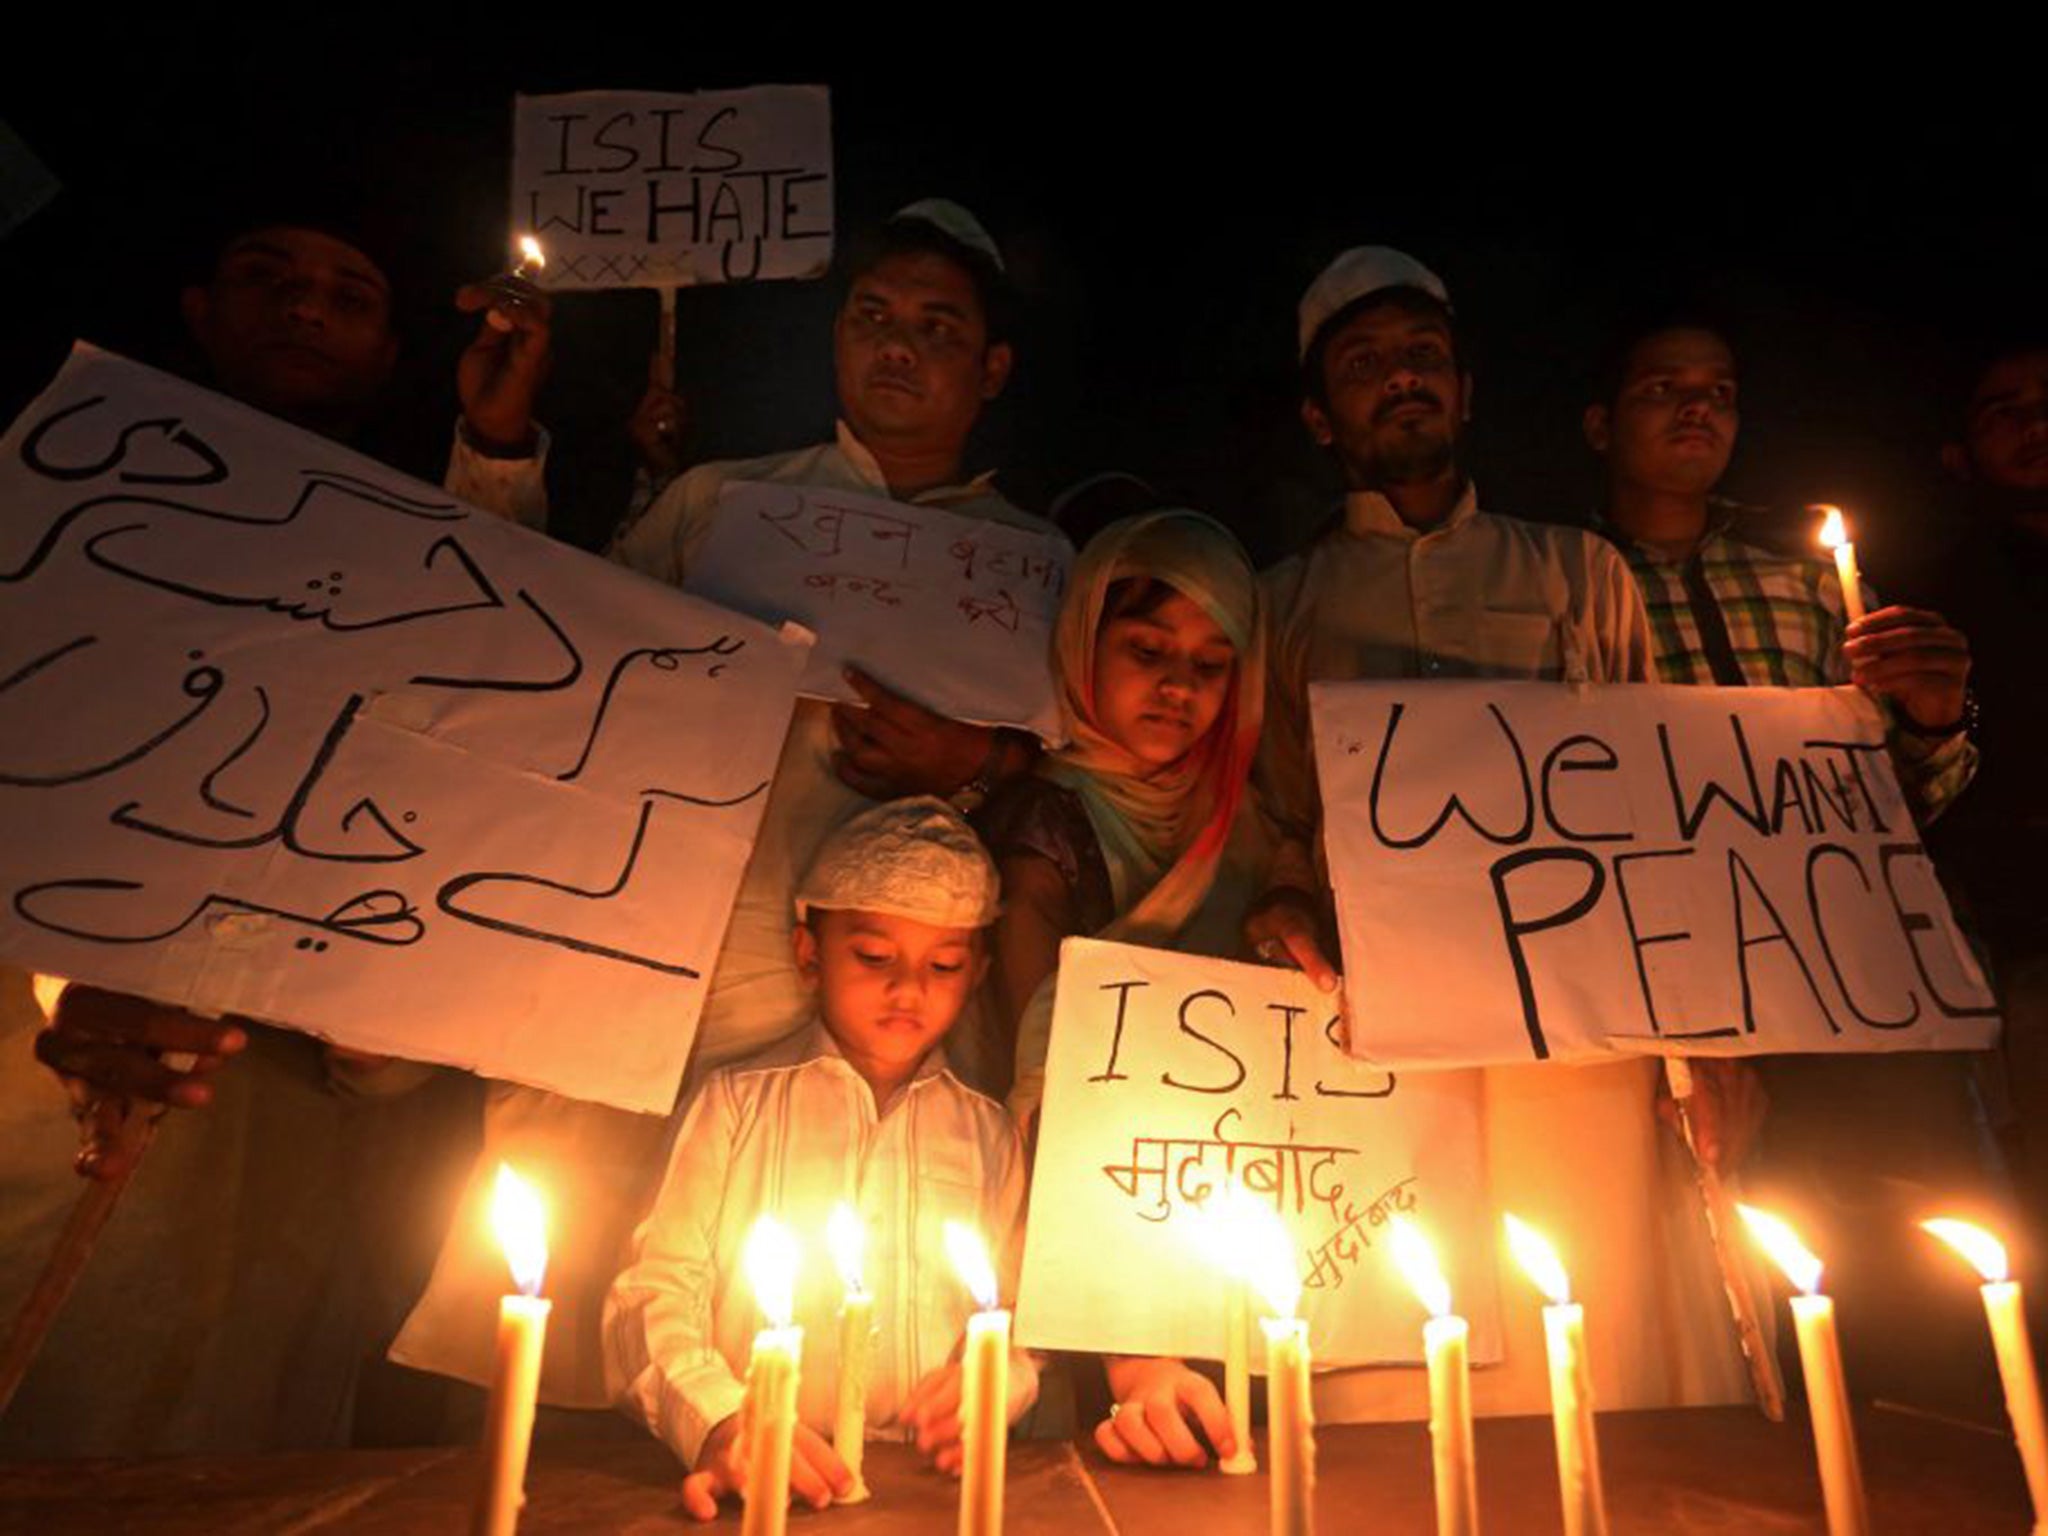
954	612
1527	871
1171	1074
285	734
648	189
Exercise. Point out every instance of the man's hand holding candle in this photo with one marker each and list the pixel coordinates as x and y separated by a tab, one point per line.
1916	659
932	1410
501	373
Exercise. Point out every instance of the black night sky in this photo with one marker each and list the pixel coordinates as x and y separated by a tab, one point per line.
1162	205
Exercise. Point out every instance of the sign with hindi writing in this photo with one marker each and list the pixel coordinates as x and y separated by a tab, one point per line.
646	189
1170	1075
1533	871
286	734
954	612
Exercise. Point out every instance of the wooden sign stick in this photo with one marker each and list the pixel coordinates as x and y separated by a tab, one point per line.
1720	1213
71	1251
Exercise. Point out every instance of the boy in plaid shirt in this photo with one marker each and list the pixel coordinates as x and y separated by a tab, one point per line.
1727	608
1857	1143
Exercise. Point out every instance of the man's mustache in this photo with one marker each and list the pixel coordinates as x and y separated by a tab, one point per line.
1413	397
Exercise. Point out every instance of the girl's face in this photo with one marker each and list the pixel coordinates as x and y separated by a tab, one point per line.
1160	679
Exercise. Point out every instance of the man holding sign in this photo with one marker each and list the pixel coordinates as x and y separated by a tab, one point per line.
1867	1138
230	1307
1417	581
920	347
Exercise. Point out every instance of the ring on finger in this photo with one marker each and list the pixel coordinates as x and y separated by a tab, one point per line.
1272	949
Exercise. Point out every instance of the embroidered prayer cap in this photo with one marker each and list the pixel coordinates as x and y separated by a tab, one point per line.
915	858
1357	273
955	223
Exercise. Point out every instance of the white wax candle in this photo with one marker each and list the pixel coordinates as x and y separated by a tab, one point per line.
1290	1427
856	1351
1827	1398
2009	1337
1571	1415
1237	1374
508	1420
1851	579
769	1425
1445	1343
984	1422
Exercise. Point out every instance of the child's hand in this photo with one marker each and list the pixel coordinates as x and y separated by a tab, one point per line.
933	1410
1154	1399
816	1473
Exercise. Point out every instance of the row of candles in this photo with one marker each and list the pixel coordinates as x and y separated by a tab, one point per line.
771	1259
1247	1238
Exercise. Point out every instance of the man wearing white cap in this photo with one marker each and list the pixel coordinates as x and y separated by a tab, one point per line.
1418	582
860	1107
920	346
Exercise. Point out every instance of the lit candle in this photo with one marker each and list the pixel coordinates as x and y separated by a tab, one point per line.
1268	1256
768	1417
1571	1383
984	1388
1820	1356
1834	535
2015	1350
520	1224
1225	1229
532	259
845	1237
1445	1344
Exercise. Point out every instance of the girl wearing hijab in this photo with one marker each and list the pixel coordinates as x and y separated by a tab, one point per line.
1159	666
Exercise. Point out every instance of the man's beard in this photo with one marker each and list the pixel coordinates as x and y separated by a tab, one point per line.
1410	458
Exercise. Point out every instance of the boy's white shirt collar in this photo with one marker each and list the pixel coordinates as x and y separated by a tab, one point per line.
814	1042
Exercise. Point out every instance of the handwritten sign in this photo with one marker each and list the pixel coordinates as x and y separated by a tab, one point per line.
285	734
954	612
642	189
1528	871
1169	1075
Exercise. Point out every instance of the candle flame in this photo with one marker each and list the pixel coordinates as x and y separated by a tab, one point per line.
970	1258
1834	530
1801	1267
1984	1251
1538	1259
48	990
848	1240
1244	1237
530	253
770	1260
520	1222
1417	1263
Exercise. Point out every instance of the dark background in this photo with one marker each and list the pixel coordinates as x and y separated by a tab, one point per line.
1864	228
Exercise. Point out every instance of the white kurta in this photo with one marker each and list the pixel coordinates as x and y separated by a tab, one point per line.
1576	1150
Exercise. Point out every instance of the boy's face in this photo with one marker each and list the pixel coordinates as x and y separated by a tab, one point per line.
888	987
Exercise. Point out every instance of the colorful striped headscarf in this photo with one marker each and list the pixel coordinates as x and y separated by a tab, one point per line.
1162	829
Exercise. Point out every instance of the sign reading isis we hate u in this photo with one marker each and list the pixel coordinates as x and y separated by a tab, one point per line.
1530	871
646	189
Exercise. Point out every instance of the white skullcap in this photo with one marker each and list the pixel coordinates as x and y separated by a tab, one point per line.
953	221
1362	270
913	858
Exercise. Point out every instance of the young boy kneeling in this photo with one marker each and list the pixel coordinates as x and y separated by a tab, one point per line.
858	1107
